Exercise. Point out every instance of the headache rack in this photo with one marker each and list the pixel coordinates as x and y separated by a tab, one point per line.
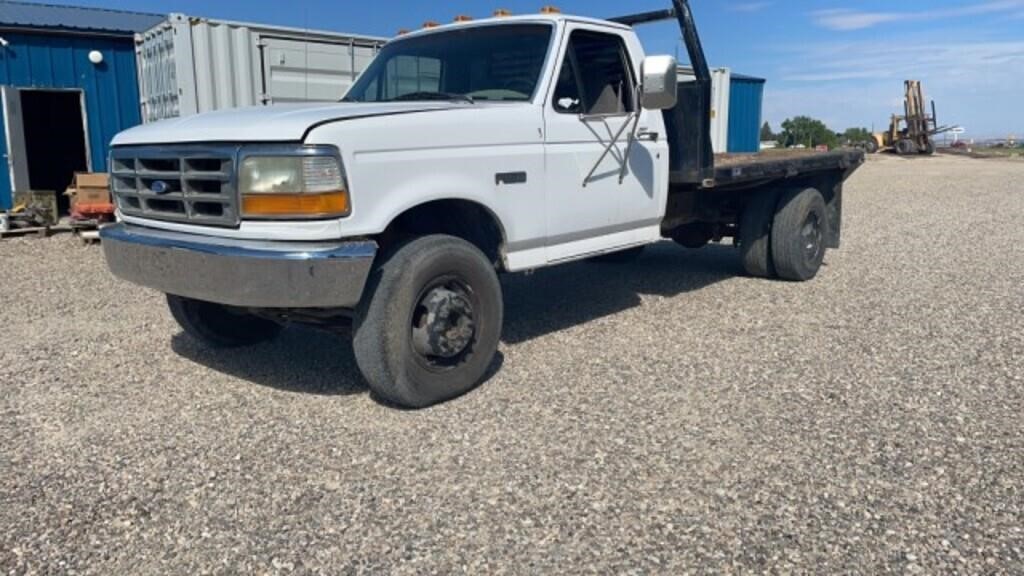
691	158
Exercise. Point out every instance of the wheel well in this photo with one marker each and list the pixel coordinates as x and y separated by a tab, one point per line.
463	219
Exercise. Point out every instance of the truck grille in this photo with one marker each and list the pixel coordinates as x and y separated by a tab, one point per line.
193	184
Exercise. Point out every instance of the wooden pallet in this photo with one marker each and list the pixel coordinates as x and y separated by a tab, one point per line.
41	231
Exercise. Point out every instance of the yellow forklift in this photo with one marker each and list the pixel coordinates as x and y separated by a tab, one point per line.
911	133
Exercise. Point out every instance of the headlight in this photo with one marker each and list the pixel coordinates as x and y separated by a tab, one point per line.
309	184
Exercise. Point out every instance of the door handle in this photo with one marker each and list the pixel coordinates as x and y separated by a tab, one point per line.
647	136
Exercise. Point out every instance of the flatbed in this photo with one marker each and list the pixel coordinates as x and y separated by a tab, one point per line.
733	169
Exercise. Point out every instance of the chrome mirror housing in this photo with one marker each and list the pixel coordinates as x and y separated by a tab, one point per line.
658	89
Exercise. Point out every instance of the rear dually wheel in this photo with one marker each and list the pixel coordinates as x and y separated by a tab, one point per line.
798	234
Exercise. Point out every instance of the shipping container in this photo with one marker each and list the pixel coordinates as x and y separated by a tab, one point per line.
736	102
68	84
189	65
746	97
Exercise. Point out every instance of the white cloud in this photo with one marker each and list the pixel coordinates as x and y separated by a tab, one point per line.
749	6
853	60
848	19
976	84
844	19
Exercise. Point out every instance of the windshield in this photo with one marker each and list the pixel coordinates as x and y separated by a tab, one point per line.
501	63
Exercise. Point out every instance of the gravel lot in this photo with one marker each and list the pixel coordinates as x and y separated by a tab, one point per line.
667	416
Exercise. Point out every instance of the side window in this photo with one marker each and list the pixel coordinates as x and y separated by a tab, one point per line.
567	91
605	85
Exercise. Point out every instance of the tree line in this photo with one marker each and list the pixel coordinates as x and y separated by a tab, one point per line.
811	132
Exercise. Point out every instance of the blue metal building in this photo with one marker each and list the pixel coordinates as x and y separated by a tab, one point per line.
68	83
746	96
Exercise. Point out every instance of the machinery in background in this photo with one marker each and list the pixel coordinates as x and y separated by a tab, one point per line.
911	133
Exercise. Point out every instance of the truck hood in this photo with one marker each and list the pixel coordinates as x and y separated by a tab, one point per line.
280	123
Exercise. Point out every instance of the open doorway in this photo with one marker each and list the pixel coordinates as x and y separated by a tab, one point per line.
55	139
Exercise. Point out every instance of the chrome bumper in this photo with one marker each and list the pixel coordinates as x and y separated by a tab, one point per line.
245	273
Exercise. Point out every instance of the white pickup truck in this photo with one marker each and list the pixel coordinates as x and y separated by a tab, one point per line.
462	152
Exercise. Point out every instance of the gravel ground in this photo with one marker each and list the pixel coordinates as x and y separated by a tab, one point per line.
667	416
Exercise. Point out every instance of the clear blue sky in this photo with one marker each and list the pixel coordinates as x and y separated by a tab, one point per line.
841	61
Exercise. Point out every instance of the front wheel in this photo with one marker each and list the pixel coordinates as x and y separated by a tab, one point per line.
428	326
220	326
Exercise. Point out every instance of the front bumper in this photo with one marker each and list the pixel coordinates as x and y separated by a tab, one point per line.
245	273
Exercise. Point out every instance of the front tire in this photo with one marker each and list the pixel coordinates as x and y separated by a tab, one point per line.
219	326
428	326
798	235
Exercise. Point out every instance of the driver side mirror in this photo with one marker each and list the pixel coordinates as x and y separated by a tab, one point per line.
658	89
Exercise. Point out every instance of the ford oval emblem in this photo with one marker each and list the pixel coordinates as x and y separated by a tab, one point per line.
160	187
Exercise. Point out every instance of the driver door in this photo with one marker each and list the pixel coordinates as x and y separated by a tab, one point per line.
597	199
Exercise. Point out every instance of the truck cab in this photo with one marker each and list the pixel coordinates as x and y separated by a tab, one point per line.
463	151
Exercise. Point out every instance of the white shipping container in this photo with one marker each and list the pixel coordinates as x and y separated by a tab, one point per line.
189	65
721	85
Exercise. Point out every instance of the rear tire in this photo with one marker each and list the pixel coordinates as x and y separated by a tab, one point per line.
871	147
220	326
755	235
798	235
428	326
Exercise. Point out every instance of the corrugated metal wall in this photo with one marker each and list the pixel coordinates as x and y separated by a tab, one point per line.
192	65
62	61
745	100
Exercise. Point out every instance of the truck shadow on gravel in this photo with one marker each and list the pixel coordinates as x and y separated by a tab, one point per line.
302	359
561	297
306	360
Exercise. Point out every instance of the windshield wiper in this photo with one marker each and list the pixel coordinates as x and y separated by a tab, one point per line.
434	96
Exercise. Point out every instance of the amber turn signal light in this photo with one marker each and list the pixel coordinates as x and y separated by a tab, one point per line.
304	205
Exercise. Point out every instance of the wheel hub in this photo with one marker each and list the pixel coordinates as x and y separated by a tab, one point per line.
443	324
811	234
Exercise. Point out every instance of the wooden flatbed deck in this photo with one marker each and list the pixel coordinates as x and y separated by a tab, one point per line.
733	169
